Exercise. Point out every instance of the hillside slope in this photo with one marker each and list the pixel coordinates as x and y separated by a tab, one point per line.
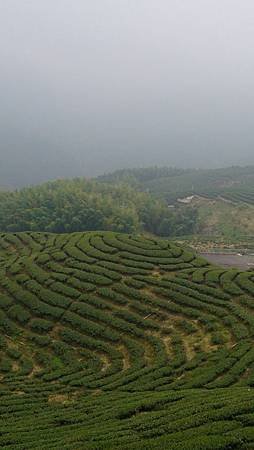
222	218
234	183
223	199
115	341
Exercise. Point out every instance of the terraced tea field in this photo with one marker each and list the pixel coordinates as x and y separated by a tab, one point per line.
112	341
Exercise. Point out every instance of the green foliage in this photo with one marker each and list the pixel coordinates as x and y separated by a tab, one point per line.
17	312
117	341
40	325
233	183
79	205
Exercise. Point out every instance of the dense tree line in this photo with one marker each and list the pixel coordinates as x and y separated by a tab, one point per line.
79	205
137	176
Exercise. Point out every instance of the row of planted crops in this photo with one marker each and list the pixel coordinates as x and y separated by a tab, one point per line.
113	341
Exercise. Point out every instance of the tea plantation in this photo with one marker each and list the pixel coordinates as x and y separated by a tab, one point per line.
115	341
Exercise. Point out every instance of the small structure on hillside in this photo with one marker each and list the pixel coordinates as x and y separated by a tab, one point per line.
186	200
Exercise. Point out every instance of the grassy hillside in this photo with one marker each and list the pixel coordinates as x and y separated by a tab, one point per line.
223	198
233	183
115	341
217	217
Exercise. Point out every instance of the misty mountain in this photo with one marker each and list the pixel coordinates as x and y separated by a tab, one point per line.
105	85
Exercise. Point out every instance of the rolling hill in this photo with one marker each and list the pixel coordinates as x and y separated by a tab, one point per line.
118	341
236	184
223	199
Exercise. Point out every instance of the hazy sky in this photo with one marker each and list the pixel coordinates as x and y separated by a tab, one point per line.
88	86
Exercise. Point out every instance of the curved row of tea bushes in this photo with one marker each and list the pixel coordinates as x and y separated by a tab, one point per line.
114	341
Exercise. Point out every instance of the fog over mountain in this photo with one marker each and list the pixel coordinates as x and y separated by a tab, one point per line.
91	86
